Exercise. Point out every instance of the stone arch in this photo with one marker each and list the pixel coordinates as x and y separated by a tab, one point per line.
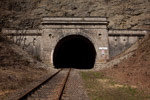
74	51
78	33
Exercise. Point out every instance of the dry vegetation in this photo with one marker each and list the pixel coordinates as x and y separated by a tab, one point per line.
101	87
15	79
127	80
121	13
136	69
17	68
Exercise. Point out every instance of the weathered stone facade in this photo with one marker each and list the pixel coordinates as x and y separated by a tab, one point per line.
55	29
42	42
120	40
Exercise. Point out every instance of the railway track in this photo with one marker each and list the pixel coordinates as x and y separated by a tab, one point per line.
50	89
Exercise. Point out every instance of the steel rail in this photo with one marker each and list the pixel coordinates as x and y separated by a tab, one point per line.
37	87
25	95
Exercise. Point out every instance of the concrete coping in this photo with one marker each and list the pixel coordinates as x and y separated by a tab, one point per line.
74	20
10	32
7	31
127	32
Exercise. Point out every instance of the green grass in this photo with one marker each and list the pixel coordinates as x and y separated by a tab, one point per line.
107	91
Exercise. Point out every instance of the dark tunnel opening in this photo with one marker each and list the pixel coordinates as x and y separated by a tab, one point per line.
74	51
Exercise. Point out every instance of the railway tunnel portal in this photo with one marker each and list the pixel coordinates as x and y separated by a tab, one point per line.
74	42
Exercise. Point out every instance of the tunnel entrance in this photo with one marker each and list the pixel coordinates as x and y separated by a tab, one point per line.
74	51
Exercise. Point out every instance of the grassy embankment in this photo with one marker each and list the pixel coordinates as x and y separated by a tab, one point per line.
100	87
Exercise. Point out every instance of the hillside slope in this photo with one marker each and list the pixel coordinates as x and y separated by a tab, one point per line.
17	68
121	13
136	69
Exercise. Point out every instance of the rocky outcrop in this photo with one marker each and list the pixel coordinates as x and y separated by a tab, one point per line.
124	14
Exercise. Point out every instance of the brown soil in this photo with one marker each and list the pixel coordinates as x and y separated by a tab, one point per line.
134	70
17	68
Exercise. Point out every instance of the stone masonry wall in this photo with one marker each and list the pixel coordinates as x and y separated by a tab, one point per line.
51	37
120	40
28	40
